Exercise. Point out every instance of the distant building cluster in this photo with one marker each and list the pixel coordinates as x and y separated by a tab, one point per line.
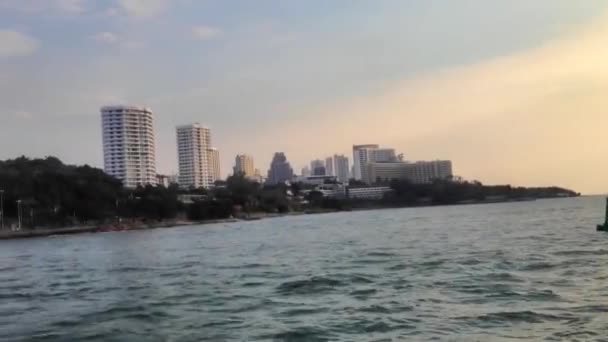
373	164
129	155
335	166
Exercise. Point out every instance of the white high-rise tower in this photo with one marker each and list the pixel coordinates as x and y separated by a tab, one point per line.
361	156
193	144
372	153
128	144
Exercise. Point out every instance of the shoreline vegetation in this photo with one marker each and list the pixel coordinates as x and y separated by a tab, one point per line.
51	198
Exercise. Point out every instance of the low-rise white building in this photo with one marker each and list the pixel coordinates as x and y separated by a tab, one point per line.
421	172
371	193
425	172
315	180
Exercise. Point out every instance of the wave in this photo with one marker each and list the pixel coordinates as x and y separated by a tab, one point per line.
242	267
387	308
303	312
515	317
302	334
382	254
582	252
398	267
598	308
363	293
369	326
314	285
538	266
504	276
431	264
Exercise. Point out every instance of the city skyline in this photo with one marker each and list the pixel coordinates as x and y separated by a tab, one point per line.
129	155
452	99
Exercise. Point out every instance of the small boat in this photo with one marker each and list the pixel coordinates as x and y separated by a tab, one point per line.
604	227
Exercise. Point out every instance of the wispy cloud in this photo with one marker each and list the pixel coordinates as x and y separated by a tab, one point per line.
111	38
15	44
73	6
205	32
143	8
70	6
106	37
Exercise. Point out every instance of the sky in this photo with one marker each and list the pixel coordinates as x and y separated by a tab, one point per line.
512	91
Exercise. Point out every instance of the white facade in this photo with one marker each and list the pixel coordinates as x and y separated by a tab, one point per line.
361	156
364	154
360	193
193	143
428	171
388	171
421	172
128	144
371	193
372	153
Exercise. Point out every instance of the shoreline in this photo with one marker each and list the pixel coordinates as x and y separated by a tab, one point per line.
34	233
46	232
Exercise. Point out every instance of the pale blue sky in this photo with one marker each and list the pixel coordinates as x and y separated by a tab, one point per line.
240	66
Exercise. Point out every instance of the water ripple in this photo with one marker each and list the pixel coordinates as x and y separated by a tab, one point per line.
517	271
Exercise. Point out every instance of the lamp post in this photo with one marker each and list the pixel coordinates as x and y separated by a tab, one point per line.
1	209
19	214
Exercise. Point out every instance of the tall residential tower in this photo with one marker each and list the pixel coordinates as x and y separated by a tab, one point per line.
361	156
213	155
243	163
329	166
128	144
280	170
193	144
341	168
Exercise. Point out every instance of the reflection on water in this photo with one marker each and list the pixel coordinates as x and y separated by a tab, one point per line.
530	271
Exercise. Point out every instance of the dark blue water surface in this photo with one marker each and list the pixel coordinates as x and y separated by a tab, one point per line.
515	271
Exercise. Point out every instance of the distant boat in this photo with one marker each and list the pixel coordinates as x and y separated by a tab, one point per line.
604	227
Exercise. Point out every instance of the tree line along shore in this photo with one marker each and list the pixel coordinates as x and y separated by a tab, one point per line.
48	195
